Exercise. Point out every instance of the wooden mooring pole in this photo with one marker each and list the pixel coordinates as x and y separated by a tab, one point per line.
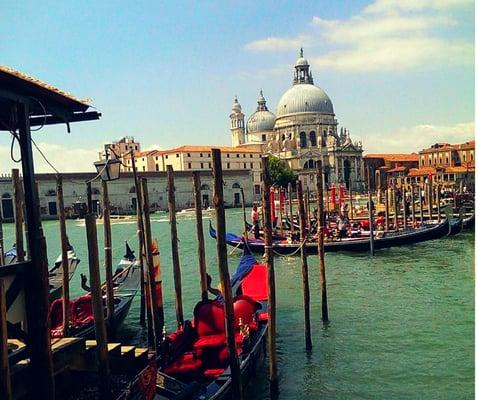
174	247
395	208
5	380
97	305
141	255
218	200
2	245
438	203
200	234
289	194
18	213
320	244
412	189
155	304
64	256
387	211
307	208
404	205
350	199
243	202
305	268
110	296
271	306
370	213
421	194
430	199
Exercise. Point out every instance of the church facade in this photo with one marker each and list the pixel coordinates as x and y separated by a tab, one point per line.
302	131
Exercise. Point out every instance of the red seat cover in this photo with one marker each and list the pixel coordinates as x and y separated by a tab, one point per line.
210	341
254	284
82	310
209	318
213	372
244	308
56	314
186	364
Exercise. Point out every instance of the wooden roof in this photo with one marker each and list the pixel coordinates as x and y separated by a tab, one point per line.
47	104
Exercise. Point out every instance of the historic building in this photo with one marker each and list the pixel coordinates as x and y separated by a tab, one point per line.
302	131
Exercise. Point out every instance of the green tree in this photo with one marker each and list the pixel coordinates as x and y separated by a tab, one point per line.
281	173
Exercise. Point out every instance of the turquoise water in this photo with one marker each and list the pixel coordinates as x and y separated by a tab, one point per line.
401	323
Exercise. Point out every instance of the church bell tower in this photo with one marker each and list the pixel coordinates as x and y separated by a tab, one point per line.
237	124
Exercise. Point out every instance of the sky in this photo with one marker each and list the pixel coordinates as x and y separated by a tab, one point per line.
400	73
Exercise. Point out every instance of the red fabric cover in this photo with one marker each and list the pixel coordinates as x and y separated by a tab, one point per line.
82	310
56	314
223	354
263	316
210	341
254	284
364	224
244	308
213	372
209	318
186	364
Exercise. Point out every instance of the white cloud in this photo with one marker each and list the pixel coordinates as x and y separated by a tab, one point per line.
152	147
391	6
63	158
388	35
416	138
276	44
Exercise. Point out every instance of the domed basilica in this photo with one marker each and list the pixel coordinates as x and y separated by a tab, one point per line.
302	131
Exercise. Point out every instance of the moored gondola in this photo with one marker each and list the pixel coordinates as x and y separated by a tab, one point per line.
194	359
382	240
126	281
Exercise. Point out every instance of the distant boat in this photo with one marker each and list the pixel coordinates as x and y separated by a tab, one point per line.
361	244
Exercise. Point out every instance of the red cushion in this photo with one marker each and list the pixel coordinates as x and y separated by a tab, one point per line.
254	284
187	363
263	316
82	309
209	318
210	341
213	372
244	308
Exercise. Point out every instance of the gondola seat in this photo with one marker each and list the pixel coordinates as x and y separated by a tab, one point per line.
213	372
82	310
209	325
186	365
253	284
56	318
245	309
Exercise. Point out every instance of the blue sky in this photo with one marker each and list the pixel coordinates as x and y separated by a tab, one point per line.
400	73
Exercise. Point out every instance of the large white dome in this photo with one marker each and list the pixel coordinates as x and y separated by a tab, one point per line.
302	98
261	121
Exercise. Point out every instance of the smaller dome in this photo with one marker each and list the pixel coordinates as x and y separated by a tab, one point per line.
261	121
301	61
236	107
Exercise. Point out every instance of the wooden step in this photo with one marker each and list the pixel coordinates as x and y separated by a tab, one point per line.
141	355
128	353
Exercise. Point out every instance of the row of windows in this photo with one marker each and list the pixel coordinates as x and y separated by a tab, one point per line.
228	165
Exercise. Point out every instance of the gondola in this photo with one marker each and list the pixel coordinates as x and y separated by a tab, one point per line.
194	359
126	281
55	274
456	226
382	240
469	222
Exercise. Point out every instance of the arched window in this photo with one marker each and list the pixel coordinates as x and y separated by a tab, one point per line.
303	140
6	196
204	187
310	164
313	139
235	185
132	189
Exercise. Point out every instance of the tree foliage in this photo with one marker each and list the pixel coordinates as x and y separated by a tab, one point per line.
281	173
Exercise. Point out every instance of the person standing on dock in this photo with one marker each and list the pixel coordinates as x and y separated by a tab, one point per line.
255	221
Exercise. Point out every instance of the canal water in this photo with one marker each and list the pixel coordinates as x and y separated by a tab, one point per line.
401	323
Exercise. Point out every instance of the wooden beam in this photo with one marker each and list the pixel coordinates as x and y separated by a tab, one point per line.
218	200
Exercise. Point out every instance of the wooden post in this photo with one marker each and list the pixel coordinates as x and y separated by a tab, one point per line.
89	197
387	216
36	276
307	208
370	212
321	225
64	256
271	306
18	212
5	381
243	202
156	305
110	296
291	215
2	246
395	208
200	234
174	247
139	214
404	205
97	305
421	190
218	199
305	268
281	227
412	188
350	200
438	203
430	199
